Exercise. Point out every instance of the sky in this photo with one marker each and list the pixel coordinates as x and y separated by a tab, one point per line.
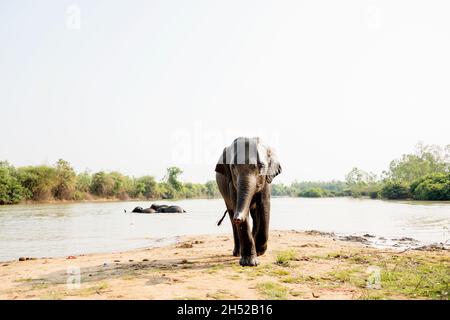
138	86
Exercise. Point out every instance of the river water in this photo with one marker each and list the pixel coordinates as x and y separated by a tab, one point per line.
52	230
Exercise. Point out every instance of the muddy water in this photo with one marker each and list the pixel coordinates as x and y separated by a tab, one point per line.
70	229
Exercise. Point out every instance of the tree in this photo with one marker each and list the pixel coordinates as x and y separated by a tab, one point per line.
145	187
361	183
102	184
395	190
172	178
11	191
40	181
84	181
313	193
432	187
427	159
212	190
66	180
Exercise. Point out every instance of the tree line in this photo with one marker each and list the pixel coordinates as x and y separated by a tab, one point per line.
422	175
61	182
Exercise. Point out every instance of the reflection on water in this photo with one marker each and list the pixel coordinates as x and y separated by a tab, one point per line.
68	229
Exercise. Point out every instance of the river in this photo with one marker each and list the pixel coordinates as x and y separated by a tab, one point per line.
52	230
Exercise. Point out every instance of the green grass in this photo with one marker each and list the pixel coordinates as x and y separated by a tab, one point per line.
284	257
407	276
272	290
220	295
215	268
97	289
418	277
291	279
24	280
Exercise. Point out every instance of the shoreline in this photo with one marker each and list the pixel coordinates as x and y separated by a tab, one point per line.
297	265
107	200
368	240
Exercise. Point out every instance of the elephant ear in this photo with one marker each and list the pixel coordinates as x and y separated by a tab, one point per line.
222	167
274	168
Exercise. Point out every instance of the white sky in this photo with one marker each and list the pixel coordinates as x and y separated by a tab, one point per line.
143	85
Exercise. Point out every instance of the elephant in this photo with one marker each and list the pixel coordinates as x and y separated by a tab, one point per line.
156	207
243	174
168	209
141	210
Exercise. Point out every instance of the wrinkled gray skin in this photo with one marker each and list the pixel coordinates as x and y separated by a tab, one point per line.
141	210
167	209
157	207
245	189
172	209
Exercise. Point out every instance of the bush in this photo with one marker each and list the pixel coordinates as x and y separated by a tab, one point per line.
312	193
66	181
432	187
40	181
395	190
11	191
374	194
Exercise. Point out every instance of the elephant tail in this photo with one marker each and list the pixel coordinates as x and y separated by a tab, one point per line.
221	219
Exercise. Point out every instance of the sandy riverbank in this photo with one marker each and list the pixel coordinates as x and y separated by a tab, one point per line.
297	265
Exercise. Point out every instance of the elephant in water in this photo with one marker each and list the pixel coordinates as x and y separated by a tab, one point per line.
142	210
243	174
169	209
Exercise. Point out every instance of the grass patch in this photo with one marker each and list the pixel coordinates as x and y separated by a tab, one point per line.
354	276
272	290
24	280
291	279
418	277
279	272
39	286
215	268
413	276
234	277
97	289
284	257
220	295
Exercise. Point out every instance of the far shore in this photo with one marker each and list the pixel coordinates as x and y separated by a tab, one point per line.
297	265
99	200
105	200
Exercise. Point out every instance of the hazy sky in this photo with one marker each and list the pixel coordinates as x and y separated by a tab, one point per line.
137	86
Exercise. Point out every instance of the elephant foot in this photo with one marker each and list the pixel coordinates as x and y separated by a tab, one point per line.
248	261
236	252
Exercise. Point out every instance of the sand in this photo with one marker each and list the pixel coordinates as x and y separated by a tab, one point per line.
202	267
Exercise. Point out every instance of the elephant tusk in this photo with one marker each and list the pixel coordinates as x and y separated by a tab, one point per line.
221	219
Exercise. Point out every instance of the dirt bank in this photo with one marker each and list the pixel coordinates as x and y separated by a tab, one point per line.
297	265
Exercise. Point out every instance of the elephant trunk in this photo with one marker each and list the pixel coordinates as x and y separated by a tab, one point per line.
245	191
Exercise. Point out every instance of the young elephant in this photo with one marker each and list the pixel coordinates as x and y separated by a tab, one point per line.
243	174
141	210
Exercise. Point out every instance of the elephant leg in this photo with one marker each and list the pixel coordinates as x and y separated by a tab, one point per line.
231	205
254	214
261	235
229	196
248	252
236	249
